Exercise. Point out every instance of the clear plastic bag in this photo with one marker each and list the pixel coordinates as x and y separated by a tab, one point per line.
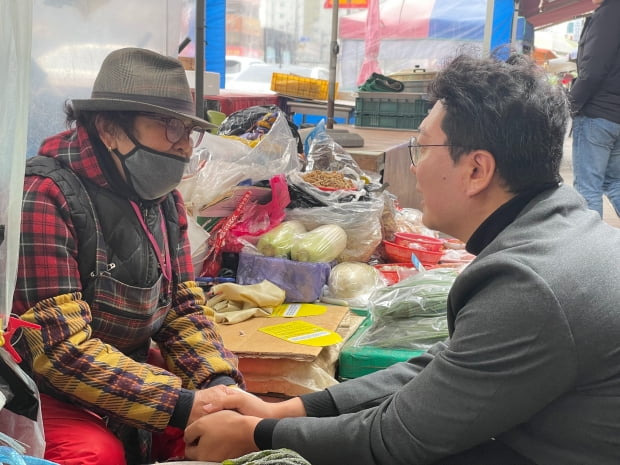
27	428
329	197
410	314
275	154
216	155
360	220
352	283
323	153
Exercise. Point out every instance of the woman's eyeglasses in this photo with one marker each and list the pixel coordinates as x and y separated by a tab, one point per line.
415	150
176	129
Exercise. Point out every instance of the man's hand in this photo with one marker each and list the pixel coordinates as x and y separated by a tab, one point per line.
219	436
248	404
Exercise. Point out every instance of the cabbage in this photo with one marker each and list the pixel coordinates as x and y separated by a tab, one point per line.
278	241
322	244
353	280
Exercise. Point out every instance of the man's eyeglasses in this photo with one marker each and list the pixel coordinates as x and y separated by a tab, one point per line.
415	150
176	129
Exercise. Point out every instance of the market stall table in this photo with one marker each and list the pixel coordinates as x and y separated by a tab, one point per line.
278	367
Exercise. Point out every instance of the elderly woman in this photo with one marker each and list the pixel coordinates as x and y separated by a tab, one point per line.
105	270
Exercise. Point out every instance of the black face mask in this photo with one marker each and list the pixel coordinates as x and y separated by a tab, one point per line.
150	173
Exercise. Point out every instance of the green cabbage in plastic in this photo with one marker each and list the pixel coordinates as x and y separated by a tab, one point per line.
278	241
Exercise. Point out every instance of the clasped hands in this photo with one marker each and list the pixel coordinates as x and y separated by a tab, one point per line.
223	419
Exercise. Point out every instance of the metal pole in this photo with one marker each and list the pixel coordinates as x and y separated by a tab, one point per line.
488	29
200	57
331	89
515	26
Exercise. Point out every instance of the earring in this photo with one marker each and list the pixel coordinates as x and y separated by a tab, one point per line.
109	148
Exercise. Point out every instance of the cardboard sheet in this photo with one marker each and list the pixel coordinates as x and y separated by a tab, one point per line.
246	340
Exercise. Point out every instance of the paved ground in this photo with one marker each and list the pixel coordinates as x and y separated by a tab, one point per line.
566	170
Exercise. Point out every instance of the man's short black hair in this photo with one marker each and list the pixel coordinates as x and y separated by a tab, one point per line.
508	108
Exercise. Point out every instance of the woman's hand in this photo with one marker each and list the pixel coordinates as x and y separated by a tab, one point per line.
205	397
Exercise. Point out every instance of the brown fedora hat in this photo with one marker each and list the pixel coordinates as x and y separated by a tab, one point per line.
136	79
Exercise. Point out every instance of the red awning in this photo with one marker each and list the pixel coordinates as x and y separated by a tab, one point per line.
541	13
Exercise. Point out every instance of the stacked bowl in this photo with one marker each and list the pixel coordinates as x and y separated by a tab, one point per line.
426	248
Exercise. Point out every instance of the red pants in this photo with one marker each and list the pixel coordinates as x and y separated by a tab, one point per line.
75	436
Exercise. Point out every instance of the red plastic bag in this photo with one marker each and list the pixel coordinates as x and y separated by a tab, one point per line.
213	261
247	223
257	219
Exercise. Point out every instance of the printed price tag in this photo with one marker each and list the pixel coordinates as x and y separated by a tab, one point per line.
292	310
302	332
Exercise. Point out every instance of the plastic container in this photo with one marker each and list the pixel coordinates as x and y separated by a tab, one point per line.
392	103
355	361
402	254
364	120
298	86
395	110
394	272
417	241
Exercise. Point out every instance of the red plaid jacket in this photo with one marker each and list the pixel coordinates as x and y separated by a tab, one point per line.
86	370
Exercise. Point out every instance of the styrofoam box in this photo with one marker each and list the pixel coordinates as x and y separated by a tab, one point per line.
211	81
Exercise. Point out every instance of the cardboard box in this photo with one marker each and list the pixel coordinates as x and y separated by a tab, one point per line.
277	367
188	62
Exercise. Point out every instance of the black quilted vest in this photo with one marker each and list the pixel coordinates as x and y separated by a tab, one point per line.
99	213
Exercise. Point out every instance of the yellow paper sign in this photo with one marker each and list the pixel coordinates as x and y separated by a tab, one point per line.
302	332
291	310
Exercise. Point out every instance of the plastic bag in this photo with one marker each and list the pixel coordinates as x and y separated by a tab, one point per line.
25	425
198	238
323	153
246	224
380	83
352	283
328	196
360	220
276	153
302	281
410	314
253	122
194	187
257	219
10	456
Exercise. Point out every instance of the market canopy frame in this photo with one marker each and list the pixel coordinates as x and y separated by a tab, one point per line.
543	13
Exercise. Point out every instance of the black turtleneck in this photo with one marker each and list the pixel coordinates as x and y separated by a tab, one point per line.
501	218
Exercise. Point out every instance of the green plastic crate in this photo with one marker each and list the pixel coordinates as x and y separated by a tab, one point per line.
355	361
392	104
387	121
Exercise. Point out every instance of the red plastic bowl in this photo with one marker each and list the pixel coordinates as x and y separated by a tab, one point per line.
390	271
417	241
402	254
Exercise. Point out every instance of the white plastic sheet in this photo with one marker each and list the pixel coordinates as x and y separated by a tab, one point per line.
15	40
71	39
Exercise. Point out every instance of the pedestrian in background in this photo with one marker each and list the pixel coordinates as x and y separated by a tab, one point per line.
595	96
